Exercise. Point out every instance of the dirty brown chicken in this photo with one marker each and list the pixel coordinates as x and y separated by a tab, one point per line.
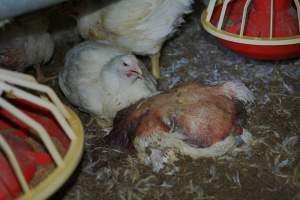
186	120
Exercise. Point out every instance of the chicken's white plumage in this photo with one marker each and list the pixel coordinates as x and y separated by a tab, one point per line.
140	26
102	79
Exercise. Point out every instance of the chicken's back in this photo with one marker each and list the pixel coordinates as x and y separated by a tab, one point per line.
21	48
140	26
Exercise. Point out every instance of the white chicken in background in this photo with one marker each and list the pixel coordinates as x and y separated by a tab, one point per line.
140	26
26	43
102	79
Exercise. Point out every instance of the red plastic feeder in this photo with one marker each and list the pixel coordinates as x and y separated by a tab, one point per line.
41	141
18	136
260	29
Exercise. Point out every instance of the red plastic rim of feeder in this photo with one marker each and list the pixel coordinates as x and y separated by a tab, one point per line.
41	140
260	29
18	135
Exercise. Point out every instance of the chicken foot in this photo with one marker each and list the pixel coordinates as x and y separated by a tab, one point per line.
155	65
40	77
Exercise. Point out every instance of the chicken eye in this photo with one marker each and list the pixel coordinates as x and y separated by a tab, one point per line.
125	64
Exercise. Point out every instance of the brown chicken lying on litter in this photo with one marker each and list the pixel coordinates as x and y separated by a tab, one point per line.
193	120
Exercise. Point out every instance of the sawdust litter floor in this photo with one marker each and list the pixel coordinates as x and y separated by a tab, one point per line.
270	169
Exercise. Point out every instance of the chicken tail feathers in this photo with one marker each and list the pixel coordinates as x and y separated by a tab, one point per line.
237	90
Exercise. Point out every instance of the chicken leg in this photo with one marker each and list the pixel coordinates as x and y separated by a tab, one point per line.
155	65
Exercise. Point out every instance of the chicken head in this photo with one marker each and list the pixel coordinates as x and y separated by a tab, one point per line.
129	66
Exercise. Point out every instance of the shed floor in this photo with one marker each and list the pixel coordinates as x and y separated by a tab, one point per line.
270	169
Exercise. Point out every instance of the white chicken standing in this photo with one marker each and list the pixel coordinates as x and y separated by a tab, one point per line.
140	26
102	79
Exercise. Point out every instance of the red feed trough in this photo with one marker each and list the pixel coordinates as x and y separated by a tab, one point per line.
260	29
41	140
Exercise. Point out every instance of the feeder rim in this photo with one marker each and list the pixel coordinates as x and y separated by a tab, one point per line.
275	41
61	173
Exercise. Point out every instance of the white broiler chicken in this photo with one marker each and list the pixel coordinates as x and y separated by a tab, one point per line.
140	26
102	79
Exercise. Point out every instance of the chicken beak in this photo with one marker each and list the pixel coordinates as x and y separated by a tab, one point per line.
137	71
